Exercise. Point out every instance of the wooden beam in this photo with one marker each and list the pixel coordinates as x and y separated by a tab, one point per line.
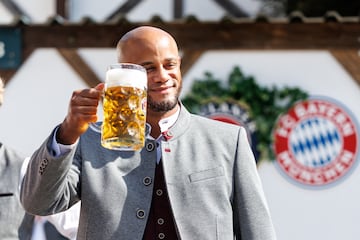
123	9
231	8
7	74
178	9
203	36
15	9
341	38
62	8
80	66
350	60
188	59
73	36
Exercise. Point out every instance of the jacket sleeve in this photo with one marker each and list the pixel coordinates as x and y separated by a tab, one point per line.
251	213
50	183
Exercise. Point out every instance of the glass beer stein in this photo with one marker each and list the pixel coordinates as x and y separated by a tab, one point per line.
124	108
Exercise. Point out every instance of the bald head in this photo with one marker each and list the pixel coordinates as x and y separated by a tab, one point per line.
157	51
137	43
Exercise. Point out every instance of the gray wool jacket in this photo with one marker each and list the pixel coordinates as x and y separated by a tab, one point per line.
14	222
210	172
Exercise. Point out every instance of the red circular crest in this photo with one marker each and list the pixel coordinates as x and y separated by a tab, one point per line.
316	142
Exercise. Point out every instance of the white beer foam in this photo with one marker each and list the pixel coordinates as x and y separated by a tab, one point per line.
126	77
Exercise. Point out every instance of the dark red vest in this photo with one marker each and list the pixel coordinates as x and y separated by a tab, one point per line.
160	224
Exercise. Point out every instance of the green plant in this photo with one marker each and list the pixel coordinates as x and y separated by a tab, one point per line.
264	104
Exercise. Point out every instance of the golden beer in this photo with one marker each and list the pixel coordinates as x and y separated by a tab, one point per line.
124	107
124	118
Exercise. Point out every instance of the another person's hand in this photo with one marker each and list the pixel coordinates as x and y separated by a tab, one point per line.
82	111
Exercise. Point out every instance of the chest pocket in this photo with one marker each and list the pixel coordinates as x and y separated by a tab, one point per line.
8	204
207	174
6	192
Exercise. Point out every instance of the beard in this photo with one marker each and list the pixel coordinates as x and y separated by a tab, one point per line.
163	106
166	105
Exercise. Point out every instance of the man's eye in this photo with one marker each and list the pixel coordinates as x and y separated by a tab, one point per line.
171	65
150	69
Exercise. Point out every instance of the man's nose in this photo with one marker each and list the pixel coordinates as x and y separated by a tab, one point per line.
161	75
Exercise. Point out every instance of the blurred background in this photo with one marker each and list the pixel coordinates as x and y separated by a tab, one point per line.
246	62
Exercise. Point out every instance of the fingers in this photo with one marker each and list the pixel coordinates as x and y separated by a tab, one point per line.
84	104
87	99
82	110
100	86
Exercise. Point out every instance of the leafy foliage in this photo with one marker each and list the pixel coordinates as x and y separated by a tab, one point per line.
264	104
314	8
310	8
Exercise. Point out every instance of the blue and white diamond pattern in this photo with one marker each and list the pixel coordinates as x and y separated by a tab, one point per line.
315	142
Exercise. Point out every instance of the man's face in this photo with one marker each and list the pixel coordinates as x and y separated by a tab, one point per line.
164	82
2	90
159	56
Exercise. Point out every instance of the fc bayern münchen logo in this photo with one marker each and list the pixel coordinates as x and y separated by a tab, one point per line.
316	142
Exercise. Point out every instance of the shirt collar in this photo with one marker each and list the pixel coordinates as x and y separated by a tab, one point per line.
166	123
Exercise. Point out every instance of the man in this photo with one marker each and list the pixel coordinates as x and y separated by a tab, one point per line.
14	222
195	178
59	226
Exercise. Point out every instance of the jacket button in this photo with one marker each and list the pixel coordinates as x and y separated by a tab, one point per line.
150	146
140	213
160	221
147	181
159	192
161	235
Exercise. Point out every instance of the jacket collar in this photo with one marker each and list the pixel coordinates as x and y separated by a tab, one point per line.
181	124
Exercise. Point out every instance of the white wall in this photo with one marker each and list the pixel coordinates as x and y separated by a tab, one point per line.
36	100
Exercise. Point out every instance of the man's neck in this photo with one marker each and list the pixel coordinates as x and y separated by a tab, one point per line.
153	118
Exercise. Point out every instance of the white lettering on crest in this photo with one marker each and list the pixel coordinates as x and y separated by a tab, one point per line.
300	111
347	157
318	177
347	129
285	159
294	170
330	174
312	109
305	176
286	123
340	118
331	112
322	108
224	108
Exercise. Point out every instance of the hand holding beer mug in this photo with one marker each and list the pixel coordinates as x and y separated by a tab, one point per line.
124	107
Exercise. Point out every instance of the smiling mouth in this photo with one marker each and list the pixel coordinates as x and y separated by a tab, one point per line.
162	88
162	91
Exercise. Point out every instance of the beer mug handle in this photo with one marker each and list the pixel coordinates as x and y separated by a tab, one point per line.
95	126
